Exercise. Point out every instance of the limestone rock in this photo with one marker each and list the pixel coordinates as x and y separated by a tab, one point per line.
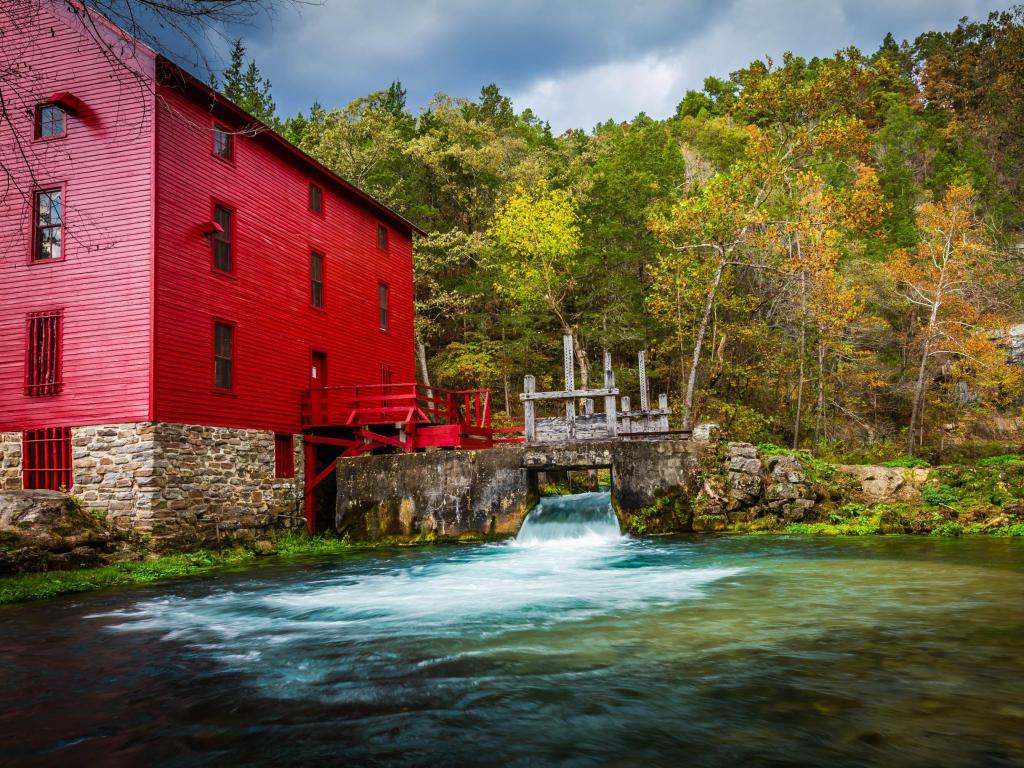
886	484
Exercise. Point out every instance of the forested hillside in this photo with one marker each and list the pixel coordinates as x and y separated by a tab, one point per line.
823	253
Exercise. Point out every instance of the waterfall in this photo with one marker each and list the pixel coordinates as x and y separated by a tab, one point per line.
583	516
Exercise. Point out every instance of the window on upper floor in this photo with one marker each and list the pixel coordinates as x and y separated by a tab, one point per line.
43	353
316	199
383	317
316	280
223	142
48	225
51	121
224	356
382	237
223	241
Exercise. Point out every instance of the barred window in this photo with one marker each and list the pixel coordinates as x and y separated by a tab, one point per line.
43	354
48	225
284	455
46	459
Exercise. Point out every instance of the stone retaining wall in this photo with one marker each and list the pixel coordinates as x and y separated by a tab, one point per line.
183	485
10	461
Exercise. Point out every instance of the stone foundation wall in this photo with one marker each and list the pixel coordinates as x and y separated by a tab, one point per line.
218	482
183	484
10	461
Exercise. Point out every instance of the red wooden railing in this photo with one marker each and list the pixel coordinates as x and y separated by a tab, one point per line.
369	404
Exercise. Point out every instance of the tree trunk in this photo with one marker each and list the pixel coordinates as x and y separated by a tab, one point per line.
819	415
922	372
698	344
803	352
421	354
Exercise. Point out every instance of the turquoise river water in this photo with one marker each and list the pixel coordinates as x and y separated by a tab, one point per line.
571	646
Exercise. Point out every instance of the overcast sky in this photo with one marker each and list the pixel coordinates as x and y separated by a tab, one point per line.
574	63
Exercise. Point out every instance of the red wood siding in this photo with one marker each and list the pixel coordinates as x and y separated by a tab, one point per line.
104	165
267	297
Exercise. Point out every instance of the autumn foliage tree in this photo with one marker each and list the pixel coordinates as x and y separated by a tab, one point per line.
951	285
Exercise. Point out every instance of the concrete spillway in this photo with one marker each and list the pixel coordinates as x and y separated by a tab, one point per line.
449	494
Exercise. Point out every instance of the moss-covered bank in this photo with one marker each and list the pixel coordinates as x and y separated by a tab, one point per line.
38	586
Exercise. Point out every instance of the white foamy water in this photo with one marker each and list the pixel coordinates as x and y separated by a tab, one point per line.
570	564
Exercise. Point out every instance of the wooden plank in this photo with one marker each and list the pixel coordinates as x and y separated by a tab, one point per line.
578	393
663	407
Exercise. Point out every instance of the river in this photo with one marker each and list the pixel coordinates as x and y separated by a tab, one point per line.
572	646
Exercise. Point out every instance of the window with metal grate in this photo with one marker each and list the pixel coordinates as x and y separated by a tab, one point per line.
43	353
46	459
284	455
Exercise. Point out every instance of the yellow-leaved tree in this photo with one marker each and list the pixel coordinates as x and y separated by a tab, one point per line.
537	235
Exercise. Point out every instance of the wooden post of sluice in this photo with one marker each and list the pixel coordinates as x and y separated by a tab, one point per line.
644	398
570	385
588	406
611	420
529	420
627	422
663	406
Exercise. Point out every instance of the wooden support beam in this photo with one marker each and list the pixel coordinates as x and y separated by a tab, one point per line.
529	420
644	398
610	417
570	385
663	407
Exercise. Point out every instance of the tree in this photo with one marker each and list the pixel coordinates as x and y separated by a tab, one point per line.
539	237
244	85
950	283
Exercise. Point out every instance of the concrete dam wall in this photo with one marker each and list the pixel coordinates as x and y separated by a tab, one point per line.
453	494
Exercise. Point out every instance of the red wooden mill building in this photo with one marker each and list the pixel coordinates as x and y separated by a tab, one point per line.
196	318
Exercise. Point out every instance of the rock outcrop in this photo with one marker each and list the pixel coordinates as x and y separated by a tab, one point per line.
756	487
46	530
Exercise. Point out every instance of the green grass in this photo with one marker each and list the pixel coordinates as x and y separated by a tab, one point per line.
1002	461
39	586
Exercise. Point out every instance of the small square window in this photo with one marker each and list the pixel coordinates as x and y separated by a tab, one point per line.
316	199
224	356
222	241
223	142
382	237
382	306
50	121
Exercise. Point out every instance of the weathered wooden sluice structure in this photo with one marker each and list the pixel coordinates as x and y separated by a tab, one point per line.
453	493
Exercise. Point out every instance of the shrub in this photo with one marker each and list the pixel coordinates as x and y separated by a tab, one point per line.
934	495
907	462
1000	461
948	530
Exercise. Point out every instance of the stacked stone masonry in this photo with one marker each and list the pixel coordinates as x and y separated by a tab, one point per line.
10	461
186	484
